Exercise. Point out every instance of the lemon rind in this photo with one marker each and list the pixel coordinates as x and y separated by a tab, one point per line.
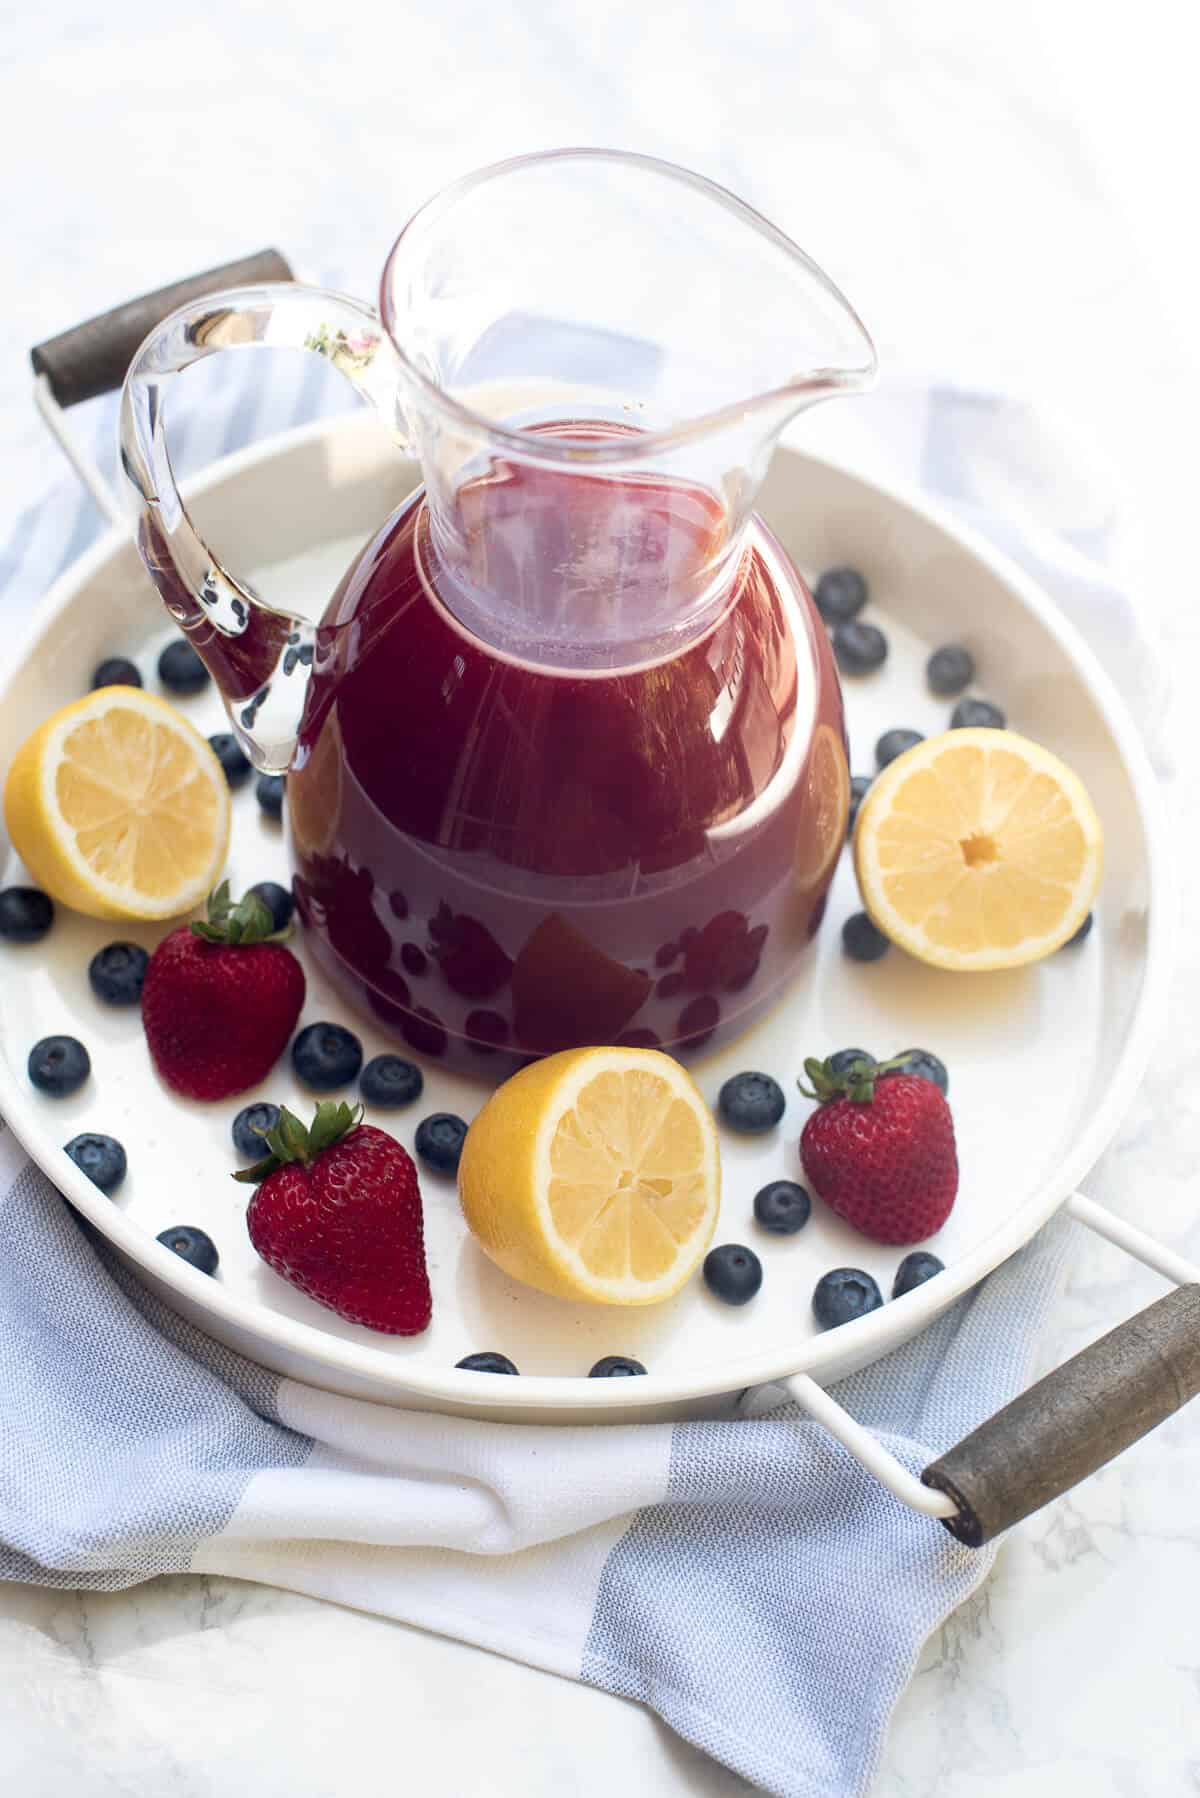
1030	949
127	901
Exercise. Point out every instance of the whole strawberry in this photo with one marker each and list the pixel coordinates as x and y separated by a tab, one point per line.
880	1150
221	999
337	1212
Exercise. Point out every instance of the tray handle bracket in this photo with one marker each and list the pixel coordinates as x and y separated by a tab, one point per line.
1066	1426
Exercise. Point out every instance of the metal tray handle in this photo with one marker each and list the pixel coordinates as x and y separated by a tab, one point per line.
92	358
1073	1421
1067	1426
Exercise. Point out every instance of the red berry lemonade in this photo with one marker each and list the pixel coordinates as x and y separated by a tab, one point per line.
502	844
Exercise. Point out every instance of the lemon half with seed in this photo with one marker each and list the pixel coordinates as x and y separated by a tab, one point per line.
119	808
594	1174
978	850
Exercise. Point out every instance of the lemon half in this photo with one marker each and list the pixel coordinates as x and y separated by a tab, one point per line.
119	808
594	1174
978	850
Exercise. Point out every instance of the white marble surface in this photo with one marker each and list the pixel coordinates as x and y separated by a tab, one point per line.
962	170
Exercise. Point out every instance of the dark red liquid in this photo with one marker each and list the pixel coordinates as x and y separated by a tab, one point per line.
496	855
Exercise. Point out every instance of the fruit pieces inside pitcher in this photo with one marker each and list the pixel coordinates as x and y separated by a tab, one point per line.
507	855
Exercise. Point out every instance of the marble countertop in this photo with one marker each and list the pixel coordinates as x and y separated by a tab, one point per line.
964	180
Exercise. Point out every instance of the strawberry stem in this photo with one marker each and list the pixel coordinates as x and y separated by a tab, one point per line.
856	1083
238	926
290	1140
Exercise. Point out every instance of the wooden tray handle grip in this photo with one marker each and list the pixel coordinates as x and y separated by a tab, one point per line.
1073	1421
92	358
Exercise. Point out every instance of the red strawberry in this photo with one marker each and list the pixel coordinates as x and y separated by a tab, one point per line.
880	1151
338	1214
221	999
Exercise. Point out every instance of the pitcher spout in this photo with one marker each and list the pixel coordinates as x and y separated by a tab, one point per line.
592	355
597	353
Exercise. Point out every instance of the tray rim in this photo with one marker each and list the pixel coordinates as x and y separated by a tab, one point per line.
873	1335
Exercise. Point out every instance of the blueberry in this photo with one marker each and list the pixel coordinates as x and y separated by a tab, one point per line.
390	1081
1081	935
924	1065
232	757
732	1273
841	593
326	1056
949	670
26	914
101	1158
751	1103
859	648
861	940
192	1246
487	1362
782	1208
278	901
59	1065
615	1367
844	1294
914	1270
116	671
268	790
116	973
250	1128
859	787
977	714
842	1060
486	1030
180	669
893	743
699	1018
439	1141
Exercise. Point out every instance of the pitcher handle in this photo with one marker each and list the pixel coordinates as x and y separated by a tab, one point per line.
92	358
259	655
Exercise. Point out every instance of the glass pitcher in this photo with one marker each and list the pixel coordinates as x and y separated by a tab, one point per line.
565	756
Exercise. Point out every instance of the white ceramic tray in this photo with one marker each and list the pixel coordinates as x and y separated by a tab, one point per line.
1042	1061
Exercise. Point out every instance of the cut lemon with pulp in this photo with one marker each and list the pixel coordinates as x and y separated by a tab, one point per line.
594	1174
978	850
119	808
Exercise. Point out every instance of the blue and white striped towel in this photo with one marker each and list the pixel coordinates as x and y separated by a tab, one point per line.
743	1577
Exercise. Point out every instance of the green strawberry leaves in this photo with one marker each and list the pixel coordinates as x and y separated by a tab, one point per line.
237	926
291	1140
856	1083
